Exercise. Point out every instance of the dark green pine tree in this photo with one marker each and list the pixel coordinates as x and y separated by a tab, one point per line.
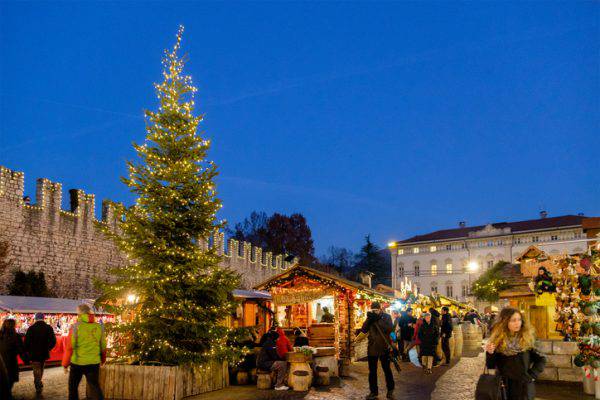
173	291
372	260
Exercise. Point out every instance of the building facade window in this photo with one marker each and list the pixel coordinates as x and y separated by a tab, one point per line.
463	246
400	252
465	290
490	243
449	267
499	243
432	249
518	240
535	239
554	237
577	235
434	287
401	270
433	269
415	250
449	290
417	269
490	264
449	247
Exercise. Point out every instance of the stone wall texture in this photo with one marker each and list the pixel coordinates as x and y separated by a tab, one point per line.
559	357
70	249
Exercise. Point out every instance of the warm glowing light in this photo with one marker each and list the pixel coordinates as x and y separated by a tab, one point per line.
132	298
473	266
391	244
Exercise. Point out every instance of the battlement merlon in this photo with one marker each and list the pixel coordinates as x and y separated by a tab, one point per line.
111	213
12	185
82	204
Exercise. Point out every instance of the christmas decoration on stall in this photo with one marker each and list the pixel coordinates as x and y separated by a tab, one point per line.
589	352
589	285
569	316
173	291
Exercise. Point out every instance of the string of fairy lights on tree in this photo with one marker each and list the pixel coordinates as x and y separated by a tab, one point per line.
172	294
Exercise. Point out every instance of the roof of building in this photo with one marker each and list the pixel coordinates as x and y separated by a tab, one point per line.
515	227
46	305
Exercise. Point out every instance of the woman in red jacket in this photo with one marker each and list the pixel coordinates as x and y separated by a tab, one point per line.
283	344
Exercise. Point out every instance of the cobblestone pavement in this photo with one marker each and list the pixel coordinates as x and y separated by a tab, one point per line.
55	385
456	382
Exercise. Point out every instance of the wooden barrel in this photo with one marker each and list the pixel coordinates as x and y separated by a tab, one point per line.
263	380
322	378
472	337
458	341
242	378
298	362
301	381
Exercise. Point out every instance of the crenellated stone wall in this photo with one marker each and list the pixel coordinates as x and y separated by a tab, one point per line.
70	249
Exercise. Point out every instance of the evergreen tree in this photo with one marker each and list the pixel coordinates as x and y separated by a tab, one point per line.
29	284
370	259
174	291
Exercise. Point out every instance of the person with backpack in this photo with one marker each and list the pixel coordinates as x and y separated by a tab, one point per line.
85	351
39	340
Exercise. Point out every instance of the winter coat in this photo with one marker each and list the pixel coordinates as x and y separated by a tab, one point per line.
283	344
518	372
4	381
415	337
11	346
300	341
267	355
428	336
407	332
446	326
39	340
86	343
378	343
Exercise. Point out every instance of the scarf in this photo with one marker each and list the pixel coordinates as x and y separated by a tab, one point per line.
513	347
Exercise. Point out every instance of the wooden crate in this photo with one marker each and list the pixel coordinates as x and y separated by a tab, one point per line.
139	382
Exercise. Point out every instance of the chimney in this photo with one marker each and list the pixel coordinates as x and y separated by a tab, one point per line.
580	214
543	214
365	278
462	224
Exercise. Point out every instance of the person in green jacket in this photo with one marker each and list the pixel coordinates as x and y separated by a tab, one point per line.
85	351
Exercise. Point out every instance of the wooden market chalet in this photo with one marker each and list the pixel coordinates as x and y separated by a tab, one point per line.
301	296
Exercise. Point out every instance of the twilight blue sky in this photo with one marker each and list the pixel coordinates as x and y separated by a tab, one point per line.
386	118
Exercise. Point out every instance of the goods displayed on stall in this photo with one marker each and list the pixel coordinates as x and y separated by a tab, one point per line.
577	283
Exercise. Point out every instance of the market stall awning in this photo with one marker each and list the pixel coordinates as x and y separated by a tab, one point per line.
46	305
251	294
324	276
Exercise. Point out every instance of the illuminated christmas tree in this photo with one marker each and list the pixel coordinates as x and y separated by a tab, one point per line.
173	293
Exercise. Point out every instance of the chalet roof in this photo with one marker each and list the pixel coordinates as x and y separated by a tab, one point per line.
46	305
519	284
325	275
515	227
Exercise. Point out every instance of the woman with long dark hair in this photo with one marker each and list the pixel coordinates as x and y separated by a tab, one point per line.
11	346
510	350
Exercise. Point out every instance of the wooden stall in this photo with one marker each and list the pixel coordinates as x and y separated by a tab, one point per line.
254	310
328	307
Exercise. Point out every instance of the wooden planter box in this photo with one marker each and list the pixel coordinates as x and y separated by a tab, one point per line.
139	382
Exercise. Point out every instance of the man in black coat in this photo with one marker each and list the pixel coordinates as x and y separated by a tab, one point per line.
39	340
446	331
378	348
407	331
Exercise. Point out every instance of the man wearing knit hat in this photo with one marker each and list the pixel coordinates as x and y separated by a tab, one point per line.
39	340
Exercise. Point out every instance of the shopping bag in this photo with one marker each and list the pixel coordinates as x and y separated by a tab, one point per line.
489	387
413	355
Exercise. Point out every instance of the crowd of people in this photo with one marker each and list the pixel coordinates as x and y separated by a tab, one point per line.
85	350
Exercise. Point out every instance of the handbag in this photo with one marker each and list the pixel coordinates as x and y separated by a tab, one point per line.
490	387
